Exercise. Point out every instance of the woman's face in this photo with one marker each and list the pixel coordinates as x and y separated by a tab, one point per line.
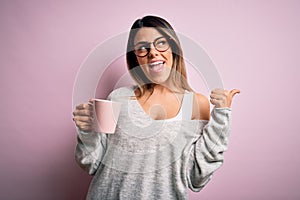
156	65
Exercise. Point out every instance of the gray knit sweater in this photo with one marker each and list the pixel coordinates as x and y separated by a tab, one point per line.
153	159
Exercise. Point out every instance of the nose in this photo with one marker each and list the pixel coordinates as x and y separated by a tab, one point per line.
152	50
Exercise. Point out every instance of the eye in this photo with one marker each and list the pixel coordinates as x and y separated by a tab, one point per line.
141	47
161	42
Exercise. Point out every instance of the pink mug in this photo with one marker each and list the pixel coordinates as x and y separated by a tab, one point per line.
107	114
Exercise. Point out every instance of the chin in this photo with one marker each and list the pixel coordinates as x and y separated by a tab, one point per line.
159	80
161	77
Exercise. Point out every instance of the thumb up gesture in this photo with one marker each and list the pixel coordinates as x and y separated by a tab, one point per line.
222	98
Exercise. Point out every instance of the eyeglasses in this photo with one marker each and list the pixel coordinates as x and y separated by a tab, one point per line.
142	49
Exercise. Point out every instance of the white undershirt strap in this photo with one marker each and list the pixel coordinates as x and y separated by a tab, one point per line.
187	106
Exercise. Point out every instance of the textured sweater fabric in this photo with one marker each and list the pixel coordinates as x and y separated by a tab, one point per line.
153	159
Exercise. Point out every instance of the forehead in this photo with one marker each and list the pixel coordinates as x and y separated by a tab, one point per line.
147	34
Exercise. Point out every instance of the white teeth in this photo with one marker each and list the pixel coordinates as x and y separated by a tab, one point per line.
156	63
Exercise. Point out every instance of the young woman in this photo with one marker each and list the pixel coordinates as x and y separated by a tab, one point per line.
166	139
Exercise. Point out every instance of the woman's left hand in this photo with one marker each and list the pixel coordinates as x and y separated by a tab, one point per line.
222	98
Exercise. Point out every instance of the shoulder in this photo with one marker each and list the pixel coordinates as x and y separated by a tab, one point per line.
201	107
122	92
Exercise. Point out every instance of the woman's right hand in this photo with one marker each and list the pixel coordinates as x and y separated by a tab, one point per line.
84	116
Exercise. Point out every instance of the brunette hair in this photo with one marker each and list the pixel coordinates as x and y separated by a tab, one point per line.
179	78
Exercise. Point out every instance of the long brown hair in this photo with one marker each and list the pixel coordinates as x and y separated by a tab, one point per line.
179	76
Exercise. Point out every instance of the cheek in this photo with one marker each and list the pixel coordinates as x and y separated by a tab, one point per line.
170	59
141	61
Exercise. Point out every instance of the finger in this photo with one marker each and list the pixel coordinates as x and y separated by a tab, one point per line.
217	91
91	100
80	106
81	124
84	125
220	92
85	106
88	113
218	96
83	119
234	92
86	128
215	102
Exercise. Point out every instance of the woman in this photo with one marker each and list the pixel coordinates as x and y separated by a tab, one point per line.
166	141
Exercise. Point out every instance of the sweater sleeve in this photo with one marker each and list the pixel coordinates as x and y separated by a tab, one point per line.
91	147
207	152
90	150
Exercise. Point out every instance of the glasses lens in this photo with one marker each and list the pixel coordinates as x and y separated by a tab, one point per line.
141	49
161	44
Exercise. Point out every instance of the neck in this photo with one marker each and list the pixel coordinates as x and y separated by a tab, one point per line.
166	88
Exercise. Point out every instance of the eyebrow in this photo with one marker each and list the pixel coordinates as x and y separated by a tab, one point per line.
142	42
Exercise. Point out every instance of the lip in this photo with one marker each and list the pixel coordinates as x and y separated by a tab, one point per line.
152	61
157	68
155	61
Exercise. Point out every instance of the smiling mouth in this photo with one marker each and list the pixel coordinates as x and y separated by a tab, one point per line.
157	66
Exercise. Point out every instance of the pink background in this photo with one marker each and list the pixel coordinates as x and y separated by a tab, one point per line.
254	44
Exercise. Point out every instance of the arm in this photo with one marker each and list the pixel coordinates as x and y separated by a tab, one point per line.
90	150
91	145
207	152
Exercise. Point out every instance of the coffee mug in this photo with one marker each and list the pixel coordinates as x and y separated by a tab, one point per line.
107	114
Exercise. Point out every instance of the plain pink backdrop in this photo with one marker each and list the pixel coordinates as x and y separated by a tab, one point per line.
254	44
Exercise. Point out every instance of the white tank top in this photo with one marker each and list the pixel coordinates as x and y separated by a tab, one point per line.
185	112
